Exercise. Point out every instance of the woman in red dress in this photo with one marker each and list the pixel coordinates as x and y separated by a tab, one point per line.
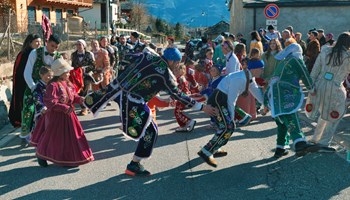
60	137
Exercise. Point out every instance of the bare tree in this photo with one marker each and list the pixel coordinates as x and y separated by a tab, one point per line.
139	15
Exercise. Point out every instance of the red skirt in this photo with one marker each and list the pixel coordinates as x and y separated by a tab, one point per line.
59	138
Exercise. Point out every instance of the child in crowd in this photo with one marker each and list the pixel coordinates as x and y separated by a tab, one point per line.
158	102
255	66
46	75
38	94
240	51
60	137
208	61
186	124
190	76
200	76
215	74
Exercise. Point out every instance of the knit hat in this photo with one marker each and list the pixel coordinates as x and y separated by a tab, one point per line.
172	54
82	42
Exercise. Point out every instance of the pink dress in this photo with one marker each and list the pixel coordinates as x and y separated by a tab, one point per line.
58	136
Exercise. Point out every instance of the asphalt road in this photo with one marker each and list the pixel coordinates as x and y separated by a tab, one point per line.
248	172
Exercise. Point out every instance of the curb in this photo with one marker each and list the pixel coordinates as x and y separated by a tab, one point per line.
8	133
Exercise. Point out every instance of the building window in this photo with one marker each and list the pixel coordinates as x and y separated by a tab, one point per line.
70	12
46	11
58	16
31	15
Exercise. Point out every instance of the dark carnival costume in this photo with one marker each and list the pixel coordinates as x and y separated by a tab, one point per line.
123	50
138	47
147	74
224	99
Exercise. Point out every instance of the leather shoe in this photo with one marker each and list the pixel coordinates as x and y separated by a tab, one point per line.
208	159
42	162
220	153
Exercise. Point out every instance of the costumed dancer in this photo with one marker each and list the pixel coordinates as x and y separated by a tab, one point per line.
224	99
60	137
43	56
147	74
190	76
284	97
329	71
215	73
186	124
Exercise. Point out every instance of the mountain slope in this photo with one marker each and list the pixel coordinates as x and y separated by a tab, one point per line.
194	13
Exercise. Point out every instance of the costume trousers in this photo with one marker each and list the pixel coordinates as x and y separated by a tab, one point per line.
180	117
146	143
288	124
324	131
27	113
223	121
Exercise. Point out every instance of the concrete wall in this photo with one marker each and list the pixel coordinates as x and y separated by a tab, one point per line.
331	19
92	15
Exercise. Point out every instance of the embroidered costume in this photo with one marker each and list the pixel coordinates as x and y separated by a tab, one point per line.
61	140
142	80
284	97
37	58
224	99
330	94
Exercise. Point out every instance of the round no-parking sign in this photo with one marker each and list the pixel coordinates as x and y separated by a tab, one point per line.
271	11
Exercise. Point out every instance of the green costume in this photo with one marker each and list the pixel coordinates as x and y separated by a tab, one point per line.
284	95
28	103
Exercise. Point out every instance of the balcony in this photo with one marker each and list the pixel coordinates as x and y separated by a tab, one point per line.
74	3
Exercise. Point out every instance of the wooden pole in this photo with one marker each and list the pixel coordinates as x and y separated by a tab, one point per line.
8	38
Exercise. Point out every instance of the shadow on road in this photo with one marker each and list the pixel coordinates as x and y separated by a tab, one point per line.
310	177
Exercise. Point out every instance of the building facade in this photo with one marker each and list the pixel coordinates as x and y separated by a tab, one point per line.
97	15
332	16
29	12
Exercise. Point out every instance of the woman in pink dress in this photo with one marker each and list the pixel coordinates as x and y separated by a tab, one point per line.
60	138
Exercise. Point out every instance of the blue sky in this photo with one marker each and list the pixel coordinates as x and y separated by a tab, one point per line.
189	12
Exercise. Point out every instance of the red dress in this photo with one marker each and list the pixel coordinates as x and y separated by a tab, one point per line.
58	135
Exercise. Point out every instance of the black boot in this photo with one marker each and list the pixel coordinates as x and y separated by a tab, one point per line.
280	152
42	162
